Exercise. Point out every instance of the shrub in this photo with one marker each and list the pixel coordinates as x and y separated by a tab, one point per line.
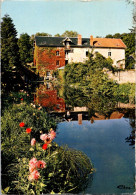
66	171
126	92
15	141
15	98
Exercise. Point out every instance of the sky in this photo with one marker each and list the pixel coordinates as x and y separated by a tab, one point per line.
95	17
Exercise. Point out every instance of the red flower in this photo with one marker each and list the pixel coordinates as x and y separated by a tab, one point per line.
21	99
22	124
44	146
28	130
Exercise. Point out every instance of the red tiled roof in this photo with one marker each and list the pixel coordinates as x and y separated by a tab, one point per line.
108	42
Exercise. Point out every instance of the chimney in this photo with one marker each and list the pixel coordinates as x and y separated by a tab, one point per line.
91	40
79	40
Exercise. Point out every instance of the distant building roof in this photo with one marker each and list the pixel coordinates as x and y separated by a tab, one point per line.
43	41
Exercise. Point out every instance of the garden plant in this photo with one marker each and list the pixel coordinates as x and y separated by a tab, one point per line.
32	163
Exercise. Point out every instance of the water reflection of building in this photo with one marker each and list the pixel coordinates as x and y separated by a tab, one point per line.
47	97
84	115
113	115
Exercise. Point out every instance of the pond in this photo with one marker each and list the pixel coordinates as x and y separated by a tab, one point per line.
101	128
104	143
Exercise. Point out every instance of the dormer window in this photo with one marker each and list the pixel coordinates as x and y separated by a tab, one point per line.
57	53
67	42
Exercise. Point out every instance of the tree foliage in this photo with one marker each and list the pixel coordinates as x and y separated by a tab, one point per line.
9	54
68	34
25	48
43	34
82	72
9	49
90	83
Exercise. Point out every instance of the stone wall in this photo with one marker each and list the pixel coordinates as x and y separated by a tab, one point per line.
123	76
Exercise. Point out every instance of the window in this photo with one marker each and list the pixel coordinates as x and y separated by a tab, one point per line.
57	53
109	53
86	53
57	62
66	62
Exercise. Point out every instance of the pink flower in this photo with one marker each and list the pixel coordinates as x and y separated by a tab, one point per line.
43	137
32	161
34	175
52	135
41	164
47	141
32	168
33	141
32	164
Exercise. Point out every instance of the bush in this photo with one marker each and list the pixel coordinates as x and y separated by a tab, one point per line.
126	92
15	141
66	171
15	98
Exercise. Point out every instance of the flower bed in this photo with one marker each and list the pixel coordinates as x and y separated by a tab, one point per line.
32	163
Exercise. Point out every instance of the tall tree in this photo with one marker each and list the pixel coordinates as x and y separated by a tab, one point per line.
25	48
9	53
9	49
129	40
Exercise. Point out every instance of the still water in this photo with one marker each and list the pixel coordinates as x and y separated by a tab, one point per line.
104	142
99	127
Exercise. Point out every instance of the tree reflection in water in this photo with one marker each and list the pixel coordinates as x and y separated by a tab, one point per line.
131	138
88	106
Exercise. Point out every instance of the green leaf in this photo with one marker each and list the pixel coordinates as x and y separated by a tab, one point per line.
6	189
31	149
42	185
51	175
52	192
38	153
